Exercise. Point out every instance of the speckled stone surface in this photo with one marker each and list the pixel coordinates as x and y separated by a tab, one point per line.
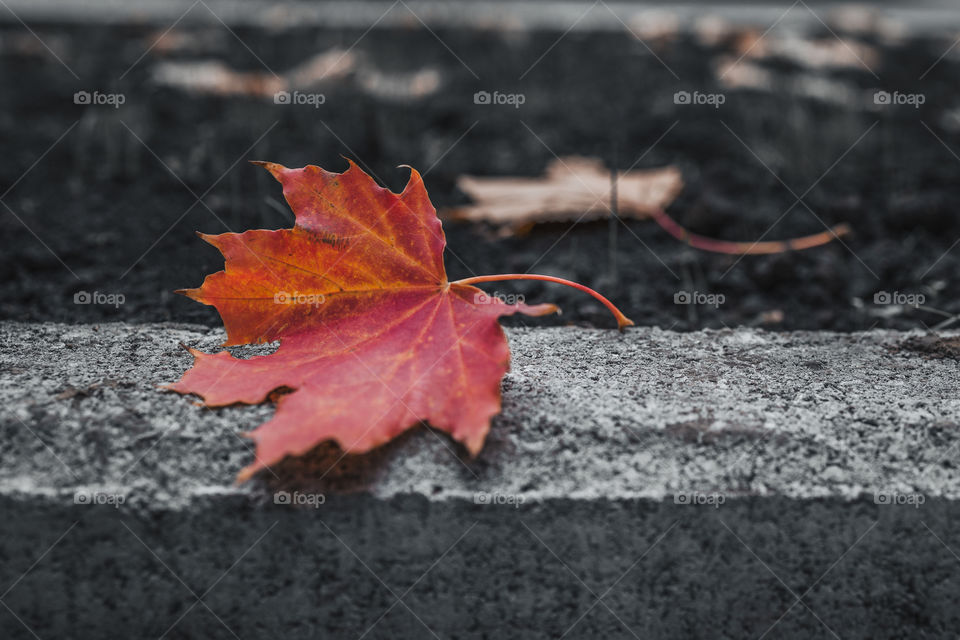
706	479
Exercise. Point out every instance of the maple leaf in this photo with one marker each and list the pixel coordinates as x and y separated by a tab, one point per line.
572	188
580	189
324	69
373	337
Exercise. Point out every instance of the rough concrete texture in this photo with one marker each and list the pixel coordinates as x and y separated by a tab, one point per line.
794	444
586	414
561	15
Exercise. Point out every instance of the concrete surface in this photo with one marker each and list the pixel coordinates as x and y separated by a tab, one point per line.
711	484
560	15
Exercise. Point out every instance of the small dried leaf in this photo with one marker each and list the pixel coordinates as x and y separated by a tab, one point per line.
572	188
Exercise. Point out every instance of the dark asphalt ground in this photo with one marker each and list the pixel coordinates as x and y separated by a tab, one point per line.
104	199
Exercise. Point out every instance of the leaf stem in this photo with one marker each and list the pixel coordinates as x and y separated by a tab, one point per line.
672	227
622	320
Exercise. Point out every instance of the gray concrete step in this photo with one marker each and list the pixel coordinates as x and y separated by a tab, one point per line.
559	15
711	484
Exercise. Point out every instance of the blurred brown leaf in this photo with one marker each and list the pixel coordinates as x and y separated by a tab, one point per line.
572	188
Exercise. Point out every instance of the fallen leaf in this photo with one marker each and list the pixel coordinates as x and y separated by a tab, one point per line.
655	27
333	66
712	30
572	188
833	52
327	66
373	337
579	189
215	78
809	85
864	22
398	87
173	41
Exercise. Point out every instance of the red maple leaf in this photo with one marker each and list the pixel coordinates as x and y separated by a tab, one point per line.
373	338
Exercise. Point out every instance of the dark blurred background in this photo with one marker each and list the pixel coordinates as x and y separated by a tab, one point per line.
125	127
